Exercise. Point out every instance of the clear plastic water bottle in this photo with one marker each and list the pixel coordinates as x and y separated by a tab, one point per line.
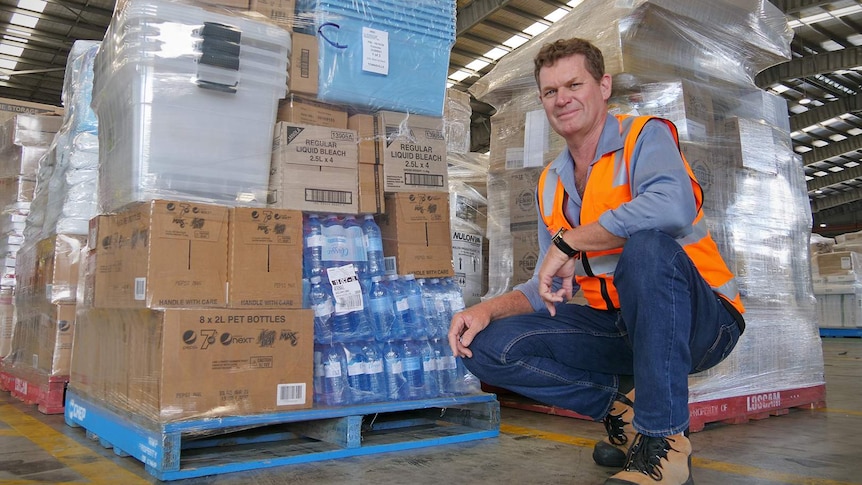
312	247
357	378
396	381
447	367
335	245
429	368
375	370
411	358
334	375
374	246
356	241
382	310
400	305
323	305
431	300
363	320
456	296
416	324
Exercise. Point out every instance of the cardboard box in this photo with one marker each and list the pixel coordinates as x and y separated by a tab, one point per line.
411	148
468	263
11	107
525	255
264	258
303	70
369	134
48	271
314	189
838	263
522	197
282	12
416	232
302	110
313	145
198	363
314	168
42	339
160	254
371	199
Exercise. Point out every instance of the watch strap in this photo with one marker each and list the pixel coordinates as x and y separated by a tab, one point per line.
562	245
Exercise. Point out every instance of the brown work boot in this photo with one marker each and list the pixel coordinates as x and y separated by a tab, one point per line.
612	450
665	460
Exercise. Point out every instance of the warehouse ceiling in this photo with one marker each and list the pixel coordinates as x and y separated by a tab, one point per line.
822	83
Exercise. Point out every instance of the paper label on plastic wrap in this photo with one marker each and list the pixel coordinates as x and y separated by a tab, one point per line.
845	263
375	51
536	138
345	289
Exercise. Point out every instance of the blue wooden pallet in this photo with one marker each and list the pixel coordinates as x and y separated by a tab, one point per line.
195	448
840	332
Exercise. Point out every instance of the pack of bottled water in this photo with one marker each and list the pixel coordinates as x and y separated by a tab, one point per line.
378	337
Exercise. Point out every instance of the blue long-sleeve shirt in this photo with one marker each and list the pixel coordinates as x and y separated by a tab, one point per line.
663	198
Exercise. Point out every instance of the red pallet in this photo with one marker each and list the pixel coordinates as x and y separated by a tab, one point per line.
46	392
731	410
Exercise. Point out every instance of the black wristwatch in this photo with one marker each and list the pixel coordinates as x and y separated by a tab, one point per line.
562	245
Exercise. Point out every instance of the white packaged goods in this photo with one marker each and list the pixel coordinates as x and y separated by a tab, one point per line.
186	99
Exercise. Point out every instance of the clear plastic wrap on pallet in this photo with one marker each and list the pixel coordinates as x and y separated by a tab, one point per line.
41	341
457	114
521	136
654	40
698	73
186	99
65	196
381	55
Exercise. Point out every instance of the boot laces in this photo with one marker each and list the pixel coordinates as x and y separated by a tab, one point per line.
646	454
614	425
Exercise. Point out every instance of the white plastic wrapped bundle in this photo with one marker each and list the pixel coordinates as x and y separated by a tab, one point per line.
654	40
186	99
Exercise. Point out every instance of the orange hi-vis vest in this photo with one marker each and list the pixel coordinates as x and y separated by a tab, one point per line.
608	187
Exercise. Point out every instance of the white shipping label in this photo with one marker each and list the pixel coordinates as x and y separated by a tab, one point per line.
375	51
345	289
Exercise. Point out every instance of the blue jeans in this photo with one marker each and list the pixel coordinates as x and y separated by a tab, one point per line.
670	324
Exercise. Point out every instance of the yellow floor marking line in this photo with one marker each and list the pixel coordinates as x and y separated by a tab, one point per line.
704	463
84	461
838	411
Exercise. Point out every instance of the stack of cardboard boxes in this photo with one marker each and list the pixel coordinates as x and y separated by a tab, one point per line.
199	306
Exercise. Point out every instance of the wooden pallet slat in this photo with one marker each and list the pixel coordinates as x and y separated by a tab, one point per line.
45	391
195	448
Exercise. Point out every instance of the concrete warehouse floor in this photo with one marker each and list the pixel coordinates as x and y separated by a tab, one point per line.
813	447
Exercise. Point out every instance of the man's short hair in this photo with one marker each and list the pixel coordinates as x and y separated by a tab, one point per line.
551	52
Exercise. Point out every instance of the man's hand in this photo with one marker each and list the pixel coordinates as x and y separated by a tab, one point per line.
556	263
464	327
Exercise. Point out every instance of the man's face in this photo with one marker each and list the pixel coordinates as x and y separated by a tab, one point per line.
574	102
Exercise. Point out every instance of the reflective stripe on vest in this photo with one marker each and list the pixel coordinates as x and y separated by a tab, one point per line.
609	187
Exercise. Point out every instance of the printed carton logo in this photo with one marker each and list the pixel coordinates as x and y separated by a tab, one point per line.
228	339
528	262
190	339
526	200
64	325
76	412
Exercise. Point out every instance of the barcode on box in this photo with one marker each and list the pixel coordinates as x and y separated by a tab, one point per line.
305	63
328	196
390	266
290	394
140	288
423	179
